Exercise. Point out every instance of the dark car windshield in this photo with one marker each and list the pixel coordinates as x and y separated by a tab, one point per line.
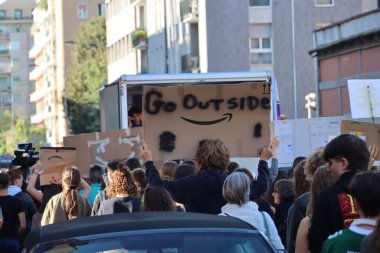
179	242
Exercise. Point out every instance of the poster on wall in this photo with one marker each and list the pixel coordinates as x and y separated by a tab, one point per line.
176	119
364	98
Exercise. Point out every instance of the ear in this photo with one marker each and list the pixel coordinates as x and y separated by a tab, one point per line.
345	162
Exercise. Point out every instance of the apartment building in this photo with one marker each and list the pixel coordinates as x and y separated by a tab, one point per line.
55	23
15	42
172	36
348	49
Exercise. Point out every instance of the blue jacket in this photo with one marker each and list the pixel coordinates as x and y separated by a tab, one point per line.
202	193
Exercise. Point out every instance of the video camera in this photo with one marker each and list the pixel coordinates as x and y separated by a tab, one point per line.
25	155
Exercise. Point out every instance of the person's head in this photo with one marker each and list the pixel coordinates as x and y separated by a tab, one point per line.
313	161
301	185
4	180
133	163
281	188
122	183
184	170
140	179
236	188
134	114
157	199
247	172
70	181
365	189
16	177
232	166
345	153
168	170
296	161
112	167
188	162
321	180
95	175
213	154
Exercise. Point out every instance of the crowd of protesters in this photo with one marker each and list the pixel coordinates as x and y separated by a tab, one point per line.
328	201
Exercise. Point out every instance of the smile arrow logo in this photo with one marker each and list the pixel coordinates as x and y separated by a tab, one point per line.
211	122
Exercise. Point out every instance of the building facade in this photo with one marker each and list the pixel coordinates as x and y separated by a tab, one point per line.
55	23
349	49
15	42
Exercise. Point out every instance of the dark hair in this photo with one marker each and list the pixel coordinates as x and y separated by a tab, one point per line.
157	199
301	185
350	147
213	154
15	174
133	110
48	191
122	182
365	188
140	179
113	165
95	175
283	186
296	161
232	166
188	162
70	180
133	163
4	180
184	170
247	172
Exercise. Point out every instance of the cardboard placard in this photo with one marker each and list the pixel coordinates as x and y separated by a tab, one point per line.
102	147
54	160
364	98
238	114
369	132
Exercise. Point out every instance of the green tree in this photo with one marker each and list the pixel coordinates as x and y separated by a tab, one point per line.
21	133
85	78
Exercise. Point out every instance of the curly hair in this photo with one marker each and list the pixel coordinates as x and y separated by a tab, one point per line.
301	185
313	161
213	154
122	183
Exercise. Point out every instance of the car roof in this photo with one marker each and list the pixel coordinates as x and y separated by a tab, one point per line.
130	222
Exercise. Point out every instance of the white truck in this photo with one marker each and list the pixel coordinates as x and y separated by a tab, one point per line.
117	97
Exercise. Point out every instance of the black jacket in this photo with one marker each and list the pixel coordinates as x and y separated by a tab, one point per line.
333	211
295	214
280	217
202	193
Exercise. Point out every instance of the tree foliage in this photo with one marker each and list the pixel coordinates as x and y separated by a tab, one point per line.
88	72
21	132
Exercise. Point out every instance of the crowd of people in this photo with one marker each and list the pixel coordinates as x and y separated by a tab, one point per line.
328	202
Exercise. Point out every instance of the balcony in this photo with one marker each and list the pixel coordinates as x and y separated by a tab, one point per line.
40	94
4	52
189	11
190	63
139	39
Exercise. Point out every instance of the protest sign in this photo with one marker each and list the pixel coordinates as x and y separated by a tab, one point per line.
177	118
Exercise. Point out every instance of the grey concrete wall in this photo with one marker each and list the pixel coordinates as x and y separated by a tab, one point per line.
227	35
305	18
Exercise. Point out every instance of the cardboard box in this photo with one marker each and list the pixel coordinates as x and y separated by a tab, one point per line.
54	160
238	114
102	147
369	132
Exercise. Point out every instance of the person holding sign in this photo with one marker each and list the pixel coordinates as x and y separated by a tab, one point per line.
134	117
203	192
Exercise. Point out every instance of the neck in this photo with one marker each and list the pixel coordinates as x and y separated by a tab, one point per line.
4	192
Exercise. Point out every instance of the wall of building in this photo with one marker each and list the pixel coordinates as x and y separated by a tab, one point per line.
307	17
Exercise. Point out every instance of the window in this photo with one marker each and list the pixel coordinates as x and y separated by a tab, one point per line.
82	11
18	14
16	63
16	80
4	80
101	9
324	3
3	14
15	45
259	2
261	51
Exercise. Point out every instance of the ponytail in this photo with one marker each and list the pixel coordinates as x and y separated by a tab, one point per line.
71	179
